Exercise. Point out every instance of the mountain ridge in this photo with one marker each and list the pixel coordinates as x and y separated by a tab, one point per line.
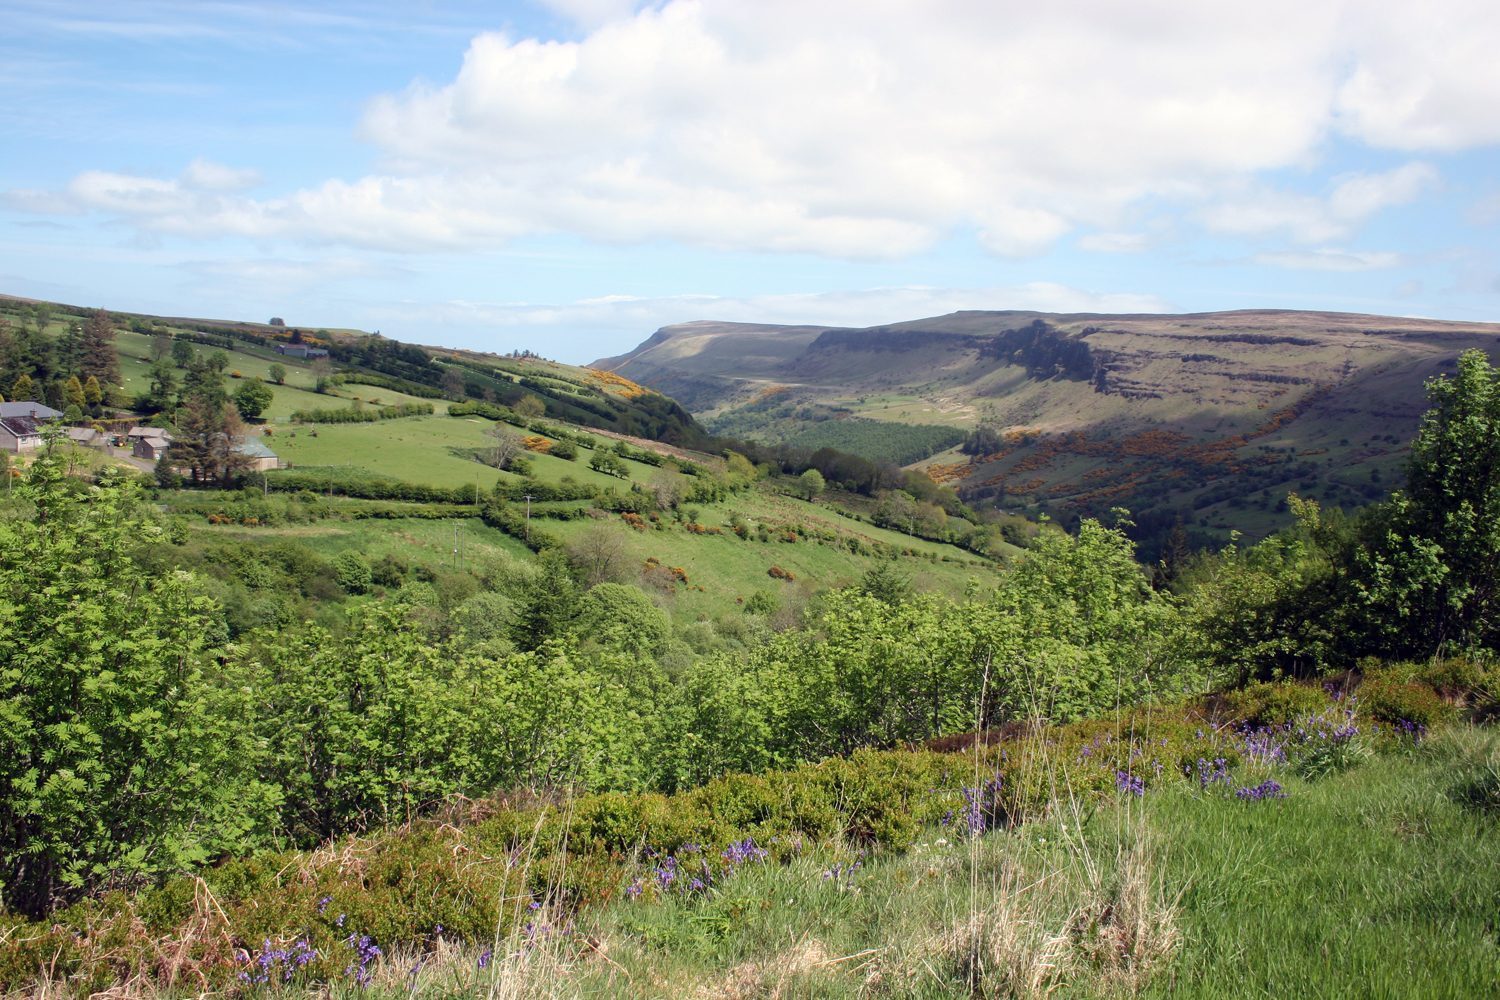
1086	411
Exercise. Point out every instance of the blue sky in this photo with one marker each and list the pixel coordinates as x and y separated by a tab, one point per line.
567	176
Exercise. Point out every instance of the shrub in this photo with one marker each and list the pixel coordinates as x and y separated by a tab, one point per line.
777	573
1388	700
1264	704
352	573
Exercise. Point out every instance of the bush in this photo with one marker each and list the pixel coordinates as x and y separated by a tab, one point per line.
1264	704
1388	700
352	573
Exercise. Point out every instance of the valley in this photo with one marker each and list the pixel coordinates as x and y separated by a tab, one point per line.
1206	419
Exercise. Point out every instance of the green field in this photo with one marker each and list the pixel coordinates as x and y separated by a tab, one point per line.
436	450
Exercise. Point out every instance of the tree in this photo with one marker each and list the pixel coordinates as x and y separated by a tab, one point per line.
183	353
73	392
203	382
252	398
278	374
810	484
609	465
546	606
621	617
23	389
1429	568
93	394
668	487
507	446
208	442
530	407
162	390
218	361
598	555
99	358
161	345
124	759
70	349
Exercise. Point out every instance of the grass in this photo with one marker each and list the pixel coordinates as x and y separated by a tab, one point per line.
1373	882
1377	877
436	450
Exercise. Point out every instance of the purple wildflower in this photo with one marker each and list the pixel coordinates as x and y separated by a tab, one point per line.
1268	789
1130	784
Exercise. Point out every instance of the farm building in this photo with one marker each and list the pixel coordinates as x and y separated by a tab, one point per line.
21	424
261	457
301	351
20	434
88	437
151	448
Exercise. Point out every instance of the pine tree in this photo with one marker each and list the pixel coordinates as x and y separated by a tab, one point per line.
99	357
23	389
70	349
92	394
163	387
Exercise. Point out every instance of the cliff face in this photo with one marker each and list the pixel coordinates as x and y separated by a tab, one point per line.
1188	412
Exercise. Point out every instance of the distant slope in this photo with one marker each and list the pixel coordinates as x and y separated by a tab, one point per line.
1210	417
400	371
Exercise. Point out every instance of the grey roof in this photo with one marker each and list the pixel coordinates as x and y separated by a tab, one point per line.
148	432
27	408
84	433
254	448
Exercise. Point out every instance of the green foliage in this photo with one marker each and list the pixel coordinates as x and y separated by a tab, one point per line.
1265	704
359	414
622	618
608	464
252	398
124	761
277	374
1391	701
810	484
352	573
1428	577
182	353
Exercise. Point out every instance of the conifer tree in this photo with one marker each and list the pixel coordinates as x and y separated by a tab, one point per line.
73	393
92	394
23	389
99	357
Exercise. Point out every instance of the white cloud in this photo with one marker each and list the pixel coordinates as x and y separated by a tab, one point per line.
1114	242
874	128
205	175
1424	76
1351	200
1328	259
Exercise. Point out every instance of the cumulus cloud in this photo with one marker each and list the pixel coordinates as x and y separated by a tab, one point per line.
1352	199
875	128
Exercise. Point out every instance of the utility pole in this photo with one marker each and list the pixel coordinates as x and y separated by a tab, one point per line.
528	516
